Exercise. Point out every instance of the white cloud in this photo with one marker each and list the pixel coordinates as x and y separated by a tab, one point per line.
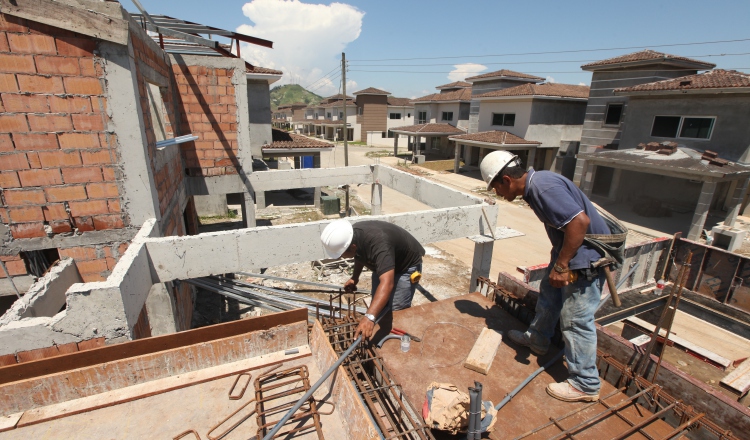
581	84
462	71
307	38
550	79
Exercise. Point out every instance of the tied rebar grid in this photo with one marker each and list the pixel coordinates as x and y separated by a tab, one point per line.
276	393
382	395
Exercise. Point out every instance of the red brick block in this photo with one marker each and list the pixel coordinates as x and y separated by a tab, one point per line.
40	177
24	103
82	86
90	207
9	179
34	161
102	190
87	67
92	266
92	277
70	104
65	193
109	174
15	161
52	159
57	65
82	175
27	230
78	140
24	197
93	122
12	24
111	262
60	226
80	253
15	267
30	43
54	211
101	157
35	141
40	84
84	224
6	144
50	123
114	205
76	47
26	214
8	82
109	221
13	123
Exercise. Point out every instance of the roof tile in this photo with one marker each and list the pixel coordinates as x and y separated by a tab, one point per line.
546	89
646	55
455	85
372	91
430	128
713	79
455	95
285	140
505	73
500	137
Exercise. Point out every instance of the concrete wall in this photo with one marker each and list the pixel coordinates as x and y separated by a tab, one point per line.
479	88
730	136
259	109
680	193
522	109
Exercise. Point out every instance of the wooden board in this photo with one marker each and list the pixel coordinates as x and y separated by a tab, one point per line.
739	379
10	421
483	353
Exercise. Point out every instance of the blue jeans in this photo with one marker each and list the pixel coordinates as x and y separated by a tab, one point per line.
575	305
403	289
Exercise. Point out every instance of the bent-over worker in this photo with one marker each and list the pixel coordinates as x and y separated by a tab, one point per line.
571	288
391	253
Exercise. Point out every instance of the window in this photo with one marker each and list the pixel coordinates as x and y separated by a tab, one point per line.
613	115
422	118
504	119
316	115
328	115
447	116
408	115
341	115
360	110
390	134
687	127
395	115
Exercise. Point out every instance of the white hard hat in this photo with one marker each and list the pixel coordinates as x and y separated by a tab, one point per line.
337	237
495	162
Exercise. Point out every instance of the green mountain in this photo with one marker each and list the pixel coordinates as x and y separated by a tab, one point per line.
291	93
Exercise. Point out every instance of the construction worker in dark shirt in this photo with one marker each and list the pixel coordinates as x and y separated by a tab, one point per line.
392	254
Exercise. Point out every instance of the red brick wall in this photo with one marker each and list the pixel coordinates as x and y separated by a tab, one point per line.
208	109
95	262
15	266
56	159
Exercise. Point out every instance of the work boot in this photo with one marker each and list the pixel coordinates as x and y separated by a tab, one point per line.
524	338
568	393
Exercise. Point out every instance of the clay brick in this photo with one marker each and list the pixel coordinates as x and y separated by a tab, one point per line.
65	193
57	65
16	161
122	248
60	226
51	159
114	205
34	161
90	207
78	140
102	190
82	175
12	24
17	63
88	122
27	230
84	224
24	197
40	177
46	141
109	174
26	214
15	267
76	47
101	157
54	211
50	123
82	86
111	262
24	103
9	179
30	43
8	83
88	68
109	221
40	84
70	104
92	277
80	253
13	123
92	266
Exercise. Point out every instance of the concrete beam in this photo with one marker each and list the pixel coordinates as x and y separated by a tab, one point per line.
21	282
69	240
423	190
215	185
310	177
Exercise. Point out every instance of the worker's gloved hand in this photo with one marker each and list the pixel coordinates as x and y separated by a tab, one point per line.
557	279
350	286
366	328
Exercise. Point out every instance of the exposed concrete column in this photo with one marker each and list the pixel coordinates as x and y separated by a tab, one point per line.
376	198
701	210
580	172
734	205
260	199
456	158
530	158
480	267
588	178
248	210
615	185
395	144
317	193
161	307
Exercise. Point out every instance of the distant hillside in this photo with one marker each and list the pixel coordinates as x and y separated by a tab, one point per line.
291	93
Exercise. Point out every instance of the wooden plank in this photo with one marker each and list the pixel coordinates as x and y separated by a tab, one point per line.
483	353
8	359
10	421
140	391
91	343
46	352
109	353
77	19
739	379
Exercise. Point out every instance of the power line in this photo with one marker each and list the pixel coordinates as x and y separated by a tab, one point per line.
558	51
537	73
323	84
329	72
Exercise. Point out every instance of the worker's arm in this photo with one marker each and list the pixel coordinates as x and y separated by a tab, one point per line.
575	230
379	301
351	284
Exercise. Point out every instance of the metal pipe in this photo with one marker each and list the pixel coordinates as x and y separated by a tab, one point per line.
7	274
472	413
478	415
528	379
312	389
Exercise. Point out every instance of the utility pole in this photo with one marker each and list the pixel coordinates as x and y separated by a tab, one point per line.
344	129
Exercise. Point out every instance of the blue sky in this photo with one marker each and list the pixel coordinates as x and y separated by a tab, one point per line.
469	37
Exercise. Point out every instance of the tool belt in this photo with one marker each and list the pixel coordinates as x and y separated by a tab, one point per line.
610	246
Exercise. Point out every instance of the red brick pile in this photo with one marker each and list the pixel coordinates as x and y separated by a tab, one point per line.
666	148
713	158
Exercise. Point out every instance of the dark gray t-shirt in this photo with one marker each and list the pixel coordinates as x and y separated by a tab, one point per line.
556	201
382	246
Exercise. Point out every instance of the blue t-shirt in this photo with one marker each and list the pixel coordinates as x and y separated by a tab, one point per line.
556	201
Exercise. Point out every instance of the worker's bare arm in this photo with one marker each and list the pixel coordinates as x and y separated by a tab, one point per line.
379	301
351	284
575	231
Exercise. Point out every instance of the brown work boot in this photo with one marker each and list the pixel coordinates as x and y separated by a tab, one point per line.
568	393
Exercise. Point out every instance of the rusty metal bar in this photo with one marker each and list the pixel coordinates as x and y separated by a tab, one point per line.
683	427
650	419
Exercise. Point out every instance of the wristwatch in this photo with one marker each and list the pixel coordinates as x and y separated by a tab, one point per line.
560	269
370	317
